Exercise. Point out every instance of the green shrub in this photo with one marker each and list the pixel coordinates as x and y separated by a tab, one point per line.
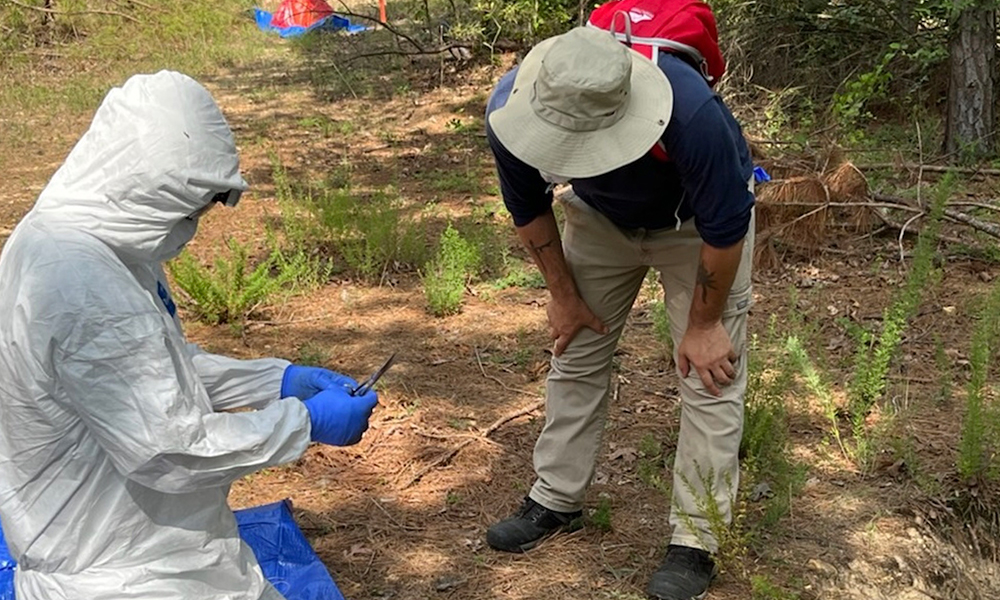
661	327
520	274
875	353
816	385
448	273
234	289
600	518
979	443
761	588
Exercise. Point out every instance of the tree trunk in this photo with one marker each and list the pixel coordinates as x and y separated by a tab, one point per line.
969	131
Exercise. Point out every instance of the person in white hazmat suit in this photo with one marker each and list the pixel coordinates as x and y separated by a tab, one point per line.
116	454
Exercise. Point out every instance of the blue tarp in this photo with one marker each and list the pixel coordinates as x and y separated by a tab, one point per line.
284	554
331	23
7	565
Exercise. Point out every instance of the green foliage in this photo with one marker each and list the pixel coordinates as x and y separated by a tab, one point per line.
527	21
312	354
98	50
732	539
875	353
234	288
850	104
980	438
490	238
816	385
520	274
764	448
652	464
600	518
448	273
761	588
661	327
945	376
369	232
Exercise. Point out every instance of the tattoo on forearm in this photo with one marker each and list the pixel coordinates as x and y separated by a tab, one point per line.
537	249
706	279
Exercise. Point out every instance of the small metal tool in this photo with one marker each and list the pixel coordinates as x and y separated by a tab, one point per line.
365	387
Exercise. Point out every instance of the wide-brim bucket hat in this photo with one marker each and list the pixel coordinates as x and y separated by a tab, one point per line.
583	104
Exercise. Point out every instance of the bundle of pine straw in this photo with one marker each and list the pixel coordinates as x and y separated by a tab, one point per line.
798	210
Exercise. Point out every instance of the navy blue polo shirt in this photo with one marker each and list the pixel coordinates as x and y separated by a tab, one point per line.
704	175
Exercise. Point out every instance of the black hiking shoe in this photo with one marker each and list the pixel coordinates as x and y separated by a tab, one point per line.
684	575
530	525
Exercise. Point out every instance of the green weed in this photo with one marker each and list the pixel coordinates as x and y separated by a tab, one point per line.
313	354
946	382
600	517
764	446
816	385
367	231
463	182
100	50
449	272
233	289
761	588
875	352
732	538
661	327
979	441
652	464
520	274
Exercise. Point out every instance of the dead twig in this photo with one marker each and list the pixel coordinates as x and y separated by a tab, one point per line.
991	229
451	454
73	13
393	519
930	168
289	322
421	52
992	207
495	378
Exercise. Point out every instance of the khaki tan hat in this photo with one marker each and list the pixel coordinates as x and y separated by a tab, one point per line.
583	104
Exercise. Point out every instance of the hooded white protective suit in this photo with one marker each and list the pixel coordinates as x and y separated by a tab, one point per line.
114	464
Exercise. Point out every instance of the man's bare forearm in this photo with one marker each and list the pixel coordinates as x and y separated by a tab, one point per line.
541	238
716	271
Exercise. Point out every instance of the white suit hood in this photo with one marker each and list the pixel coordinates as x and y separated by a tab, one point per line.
156	152
117	448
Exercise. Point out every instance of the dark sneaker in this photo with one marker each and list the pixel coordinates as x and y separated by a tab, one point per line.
530	525
684	575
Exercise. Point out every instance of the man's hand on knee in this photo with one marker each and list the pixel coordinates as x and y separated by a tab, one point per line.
567	317
710	351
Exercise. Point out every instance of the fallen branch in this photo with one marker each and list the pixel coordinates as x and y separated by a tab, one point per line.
419	49
991	229
930	168
73	13
421	52
484	436
495	378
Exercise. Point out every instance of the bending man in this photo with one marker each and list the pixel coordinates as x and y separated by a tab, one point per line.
659	172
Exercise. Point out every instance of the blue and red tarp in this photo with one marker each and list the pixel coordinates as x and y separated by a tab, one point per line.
297	17
284	554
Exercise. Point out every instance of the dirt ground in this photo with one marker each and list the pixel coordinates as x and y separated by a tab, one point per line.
402	515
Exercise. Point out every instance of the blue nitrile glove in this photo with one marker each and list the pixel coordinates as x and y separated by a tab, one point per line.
760	175
338	418
306	382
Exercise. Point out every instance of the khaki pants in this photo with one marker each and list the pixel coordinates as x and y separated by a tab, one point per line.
609	265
